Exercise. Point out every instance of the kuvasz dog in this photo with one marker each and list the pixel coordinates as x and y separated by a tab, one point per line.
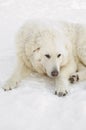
55	50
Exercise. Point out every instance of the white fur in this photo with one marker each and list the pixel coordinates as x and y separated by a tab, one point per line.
35	40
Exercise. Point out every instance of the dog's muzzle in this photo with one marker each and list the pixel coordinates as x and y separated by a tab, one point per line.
54	73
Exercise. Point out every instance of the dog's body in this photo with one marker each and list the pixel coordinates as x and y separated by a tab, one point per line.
59	51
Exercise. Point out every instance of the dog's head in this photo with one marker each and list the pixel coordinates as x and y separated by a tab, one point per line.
50	55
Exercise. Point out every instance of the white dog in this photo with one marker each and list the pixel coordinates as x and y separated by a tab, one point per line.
56	50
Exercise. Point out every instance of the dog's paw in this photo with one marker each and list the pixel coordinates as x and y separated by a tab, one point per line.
9	86
61	93
74	78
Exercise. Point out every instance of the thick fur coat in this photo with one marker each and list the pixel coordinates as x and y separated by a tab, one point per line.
57	50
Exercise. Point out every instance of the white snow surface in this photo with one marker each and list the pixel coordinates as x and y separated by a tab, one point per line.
33	106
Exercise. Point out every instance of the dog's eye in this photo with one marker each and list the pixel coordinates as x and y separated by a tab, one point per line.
48	56
58	55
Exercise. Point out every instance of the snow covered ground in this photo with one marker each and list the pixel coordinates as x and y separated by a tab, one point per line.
33	106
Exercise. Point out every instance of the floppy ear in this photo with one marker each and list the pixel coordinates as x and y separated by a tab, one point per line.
31	49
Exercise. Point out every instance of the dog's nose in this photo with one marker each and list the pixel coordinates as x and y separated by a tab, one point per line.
54	73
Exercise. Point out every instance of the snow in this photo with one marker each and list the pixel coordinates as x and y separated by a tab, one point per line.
33	106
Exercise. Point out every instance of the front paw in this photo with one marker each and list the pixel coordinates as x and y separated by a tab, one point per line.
74	78
9	86
61	93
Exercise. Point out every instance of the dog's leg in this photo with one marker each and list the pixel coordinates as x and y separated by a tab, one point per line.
20	73
62	82
78	76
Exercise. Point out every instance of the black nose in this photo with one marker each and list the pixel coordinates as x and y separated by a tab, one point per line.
54	73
